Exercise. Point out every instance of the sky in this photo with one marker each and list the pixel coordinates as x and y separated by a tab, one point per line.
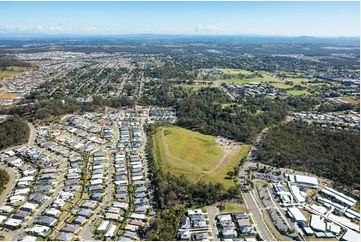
195	18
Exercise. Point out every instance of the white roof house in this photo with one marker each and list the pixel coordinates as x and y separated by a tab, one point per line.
103	226
110	231
138	216
22	191
296	214
39	229
6	209
317	223
29	206
352	214
52	212
2	218
13	222
28	238
226	217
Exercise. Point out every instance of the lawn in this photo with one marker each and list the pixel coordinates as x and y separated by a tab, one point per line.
12	72
350	100
298	92
235	71
265	78
281	85
193	155
8	95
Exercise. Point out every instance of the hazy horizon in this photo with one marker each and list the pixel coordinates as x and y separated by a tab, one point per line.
289	19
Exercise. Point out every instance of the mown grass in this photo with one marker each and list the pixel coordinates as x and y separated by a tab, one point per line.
298	92
200	154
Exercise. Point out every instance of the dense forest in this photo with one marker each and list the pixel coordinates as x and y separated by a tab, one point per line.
175	194
328	153
203	112
4	179
13	131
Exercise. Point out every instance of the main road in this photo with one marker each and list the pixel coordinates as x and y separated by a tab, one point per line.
248	197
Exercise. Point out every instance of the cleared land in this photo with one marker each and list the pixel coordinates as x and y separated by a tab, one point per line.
12	71
196	156
298	92
350	100
9	95
235	71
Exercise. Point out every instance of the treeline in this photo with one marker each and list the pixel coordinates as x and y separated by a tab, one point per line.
332	154
7	60
13	131
4	179
175	194
46	109
202	112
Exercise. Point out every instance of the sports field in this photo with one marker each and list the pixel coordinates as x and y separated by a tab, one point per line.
196	156
298	92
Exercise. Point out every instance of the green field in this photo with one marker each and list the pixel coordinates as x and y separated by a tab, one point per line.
194	155
265	78
298	92
235	71
281	85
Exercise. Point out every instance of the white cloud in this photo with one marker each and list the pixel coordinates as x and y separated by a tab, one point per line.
56	28
39	27
206	28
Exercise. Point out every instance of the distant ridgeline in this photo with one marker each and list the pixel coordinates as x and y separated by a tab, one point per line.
332	154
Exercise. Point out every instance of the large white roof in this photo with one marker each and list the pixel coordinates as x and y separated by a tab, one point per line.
306	179
351	235
317	223
297	214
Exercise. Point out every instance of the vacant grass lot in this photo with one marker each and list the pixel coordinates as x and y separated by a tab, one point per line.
188	153
298	92
8	95
235	71
350	100
12	71
265	78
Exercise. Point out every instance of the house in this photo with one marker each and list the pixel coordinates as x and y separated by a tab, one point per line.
137	222
201	236
103	226
64	236
47	221
110	231
225	217
2	218
185	223
70	228
13	223
85	212
28	238
21	214
52	212
29	206
39	230
6	209
229	233
112	216
184	235
89	204
79	220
